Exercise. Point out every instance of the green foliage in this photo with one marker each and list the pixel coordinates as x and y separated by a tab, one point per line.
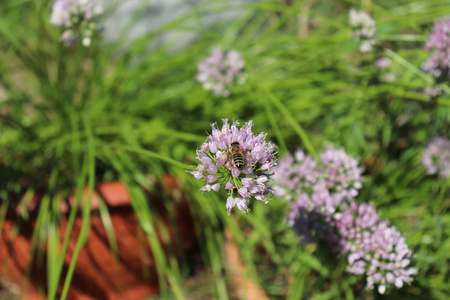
72	117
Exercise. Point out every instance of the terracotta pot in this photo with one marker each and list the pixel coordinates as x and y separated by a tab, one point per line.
98	275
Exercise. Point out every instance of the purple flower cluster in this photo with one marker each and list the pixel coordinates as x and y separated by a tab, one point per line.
340	173
77	18
311	216
323	208
374	248
436	157
432	91
218	168
295	174
221	70
438	64
383	64
363	29
316	191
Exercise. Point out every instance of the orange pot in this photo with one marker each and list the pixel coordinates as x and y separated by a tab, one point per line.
98	275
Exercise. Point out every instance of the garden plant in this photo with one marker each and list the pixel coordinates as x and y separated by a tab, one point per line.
312	137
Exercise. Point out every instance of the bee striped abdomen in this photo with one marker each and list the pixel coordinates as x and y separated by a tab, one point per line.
237	155
238	160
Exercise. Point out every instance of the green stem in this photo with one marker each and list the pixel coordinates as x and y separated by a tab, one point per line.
155	155
50	222
70	223
3	208
427	78
274	124
298	129
86	208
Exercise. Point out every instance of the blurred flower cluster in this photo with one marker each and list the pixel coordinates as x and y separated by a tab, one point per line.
432	91
323	208
218	166
363	29
335	180
436	157
221	70
316	191
438	64
78	18
383	64
373	248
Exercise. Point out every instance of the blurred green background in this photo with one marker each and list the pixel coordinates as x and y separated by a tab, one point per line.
129	106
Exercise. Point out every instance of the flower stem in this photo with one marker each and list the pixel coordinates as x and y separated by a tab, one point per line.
427	78
298	129
155	155
274	125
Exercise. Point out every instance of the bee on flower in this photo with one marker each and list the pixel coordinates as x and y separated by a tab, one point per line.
237	160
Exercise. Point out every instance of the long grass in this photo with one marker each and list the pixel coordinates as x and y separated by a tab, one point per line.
72	117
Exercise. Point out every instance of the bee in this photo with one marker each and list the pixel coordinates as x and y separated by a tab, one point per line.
237	155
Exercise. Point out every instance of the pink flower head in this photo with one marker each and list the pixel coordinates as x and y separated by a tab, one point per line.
340	172
77	18
438	64
317	190
374	248
217	166
328	185
221	70
363	29
322	208
383	63
436	157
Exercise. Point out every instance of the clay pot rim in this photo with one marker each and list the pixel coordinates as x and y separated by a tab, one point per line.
114	193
